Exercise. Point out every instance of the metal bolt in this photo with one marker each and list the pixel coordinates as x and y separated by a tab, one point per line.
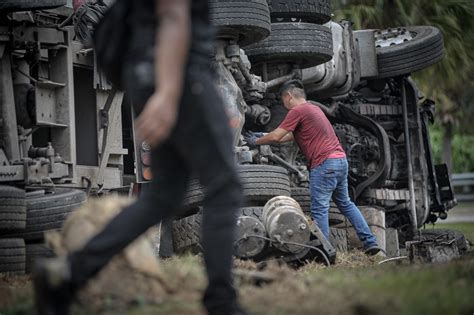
289	232
302	226
146	147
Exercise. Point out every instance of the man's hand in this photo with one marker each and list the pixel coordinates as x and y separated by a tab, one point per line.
252	137
157	119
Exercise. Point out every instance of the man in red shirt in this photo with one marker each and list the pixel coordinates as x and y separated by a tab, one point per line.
309	127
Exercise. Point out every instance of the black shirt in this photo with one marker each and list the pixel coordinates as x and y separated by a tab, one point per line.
143	23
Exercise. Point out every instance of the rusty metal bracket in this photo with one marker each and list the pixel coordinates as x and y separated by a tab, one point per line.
109	116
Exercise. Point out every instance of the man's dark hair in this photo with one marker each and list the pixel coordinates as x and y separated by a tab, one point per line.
295	87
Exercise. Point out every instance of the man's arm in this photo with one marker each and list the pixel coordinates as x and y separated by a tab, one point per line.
276	136
288	137
172	43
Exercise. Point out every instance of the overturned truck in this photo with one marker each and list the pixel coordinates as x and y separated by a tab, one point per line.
361	80
65	132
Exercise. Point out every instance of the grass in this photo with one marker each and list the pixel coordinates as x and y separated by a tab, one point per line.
356	285
466	228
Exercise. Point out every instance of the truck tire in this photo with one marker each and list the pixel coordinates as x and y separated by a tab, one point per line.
335	216
254	212
259	182
12	209
338	239
302	195
48	211
193	199
405	56
187	234
246	20
461	242
313	11
263	182
12	255
35	252
187	231
26	5
300	43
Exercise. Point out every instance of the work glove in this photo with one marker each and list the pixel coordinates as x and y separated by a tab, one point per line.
252	137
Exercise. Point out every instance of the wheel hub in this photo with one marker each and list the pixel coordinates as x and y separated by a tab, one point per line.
391	37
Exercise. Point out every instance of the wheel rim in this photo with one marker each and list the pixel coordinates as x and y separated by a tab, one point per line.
392	37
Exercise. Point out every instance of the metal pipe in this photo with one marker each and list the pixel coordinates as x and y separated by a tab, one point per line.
278	159
411	187
279	80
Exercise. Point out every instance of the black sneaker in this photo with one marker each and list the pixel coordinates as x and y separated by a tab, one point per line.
373	250
53	289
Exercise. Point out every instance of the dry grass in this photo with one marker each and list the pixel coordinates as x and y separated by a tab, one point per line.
14	289
355	285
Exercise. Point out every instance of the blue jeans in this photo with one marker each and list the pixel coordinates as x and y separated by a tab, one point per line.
330	180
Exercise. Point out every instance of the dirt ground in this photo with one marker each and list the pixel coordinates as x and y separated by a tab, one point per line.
355	285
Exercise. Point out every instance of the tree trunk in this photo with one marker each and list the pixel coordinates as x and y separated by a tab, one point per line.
447	146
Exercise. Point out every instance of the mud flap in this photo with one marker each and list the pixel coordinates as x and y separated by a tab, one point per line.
444	186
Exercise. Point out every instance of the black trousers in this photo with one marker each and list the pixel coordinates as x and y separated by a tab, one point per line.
200	144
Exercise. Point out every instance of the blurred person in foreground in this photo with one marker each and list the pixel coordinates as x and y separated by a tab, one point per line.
307	124
182	117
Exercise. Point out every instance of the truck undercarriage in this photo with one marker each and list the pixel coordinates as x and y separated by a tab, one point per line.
63	125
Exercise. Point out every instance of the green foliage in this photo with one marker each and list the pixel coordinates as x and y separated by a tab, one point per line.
467	109
462	146
463	154
361	15
436	135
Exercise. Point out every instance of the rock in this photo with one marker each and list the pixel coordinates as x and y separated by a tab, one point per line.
134	275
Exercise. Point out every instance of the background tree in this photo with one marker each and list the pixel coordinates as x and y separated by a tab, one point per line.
448	83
